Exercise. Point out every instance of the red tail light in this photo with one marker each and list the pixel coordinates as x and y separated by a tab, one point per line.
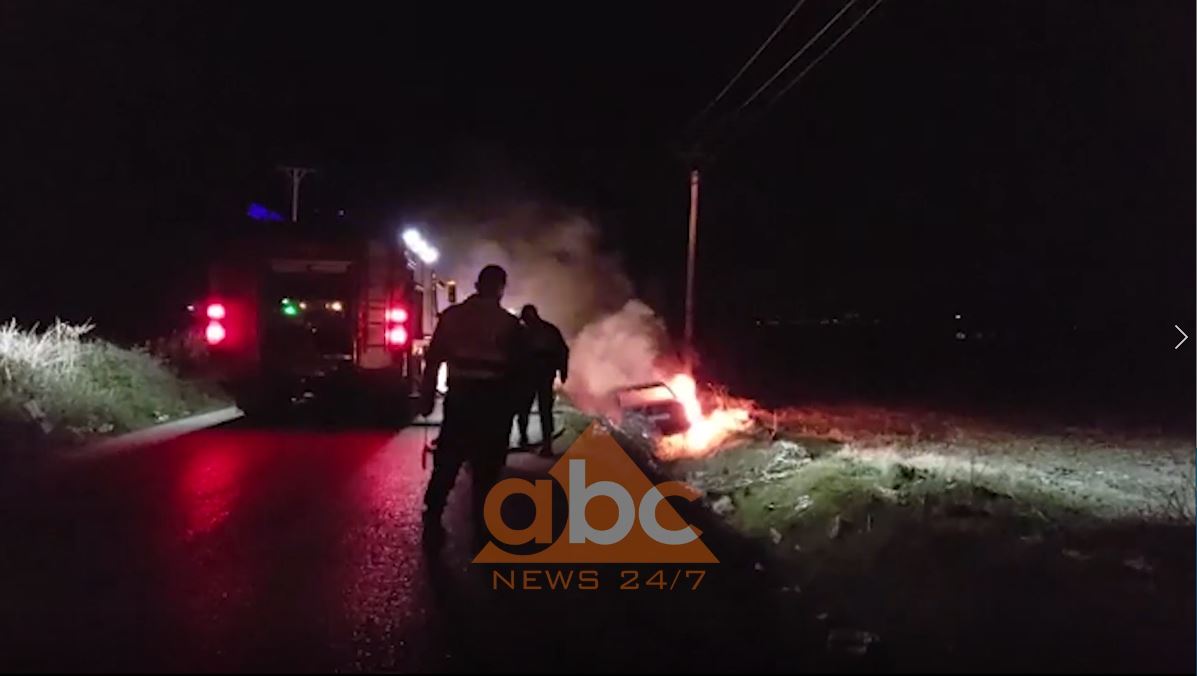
397	336
215	333
396	332
216	311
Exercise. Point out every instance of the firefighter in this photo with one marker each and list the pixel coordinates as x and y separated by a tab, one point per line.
481	343
547	355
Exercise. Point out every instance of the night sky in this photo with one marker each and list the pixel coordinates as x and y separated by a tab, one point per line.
1018	160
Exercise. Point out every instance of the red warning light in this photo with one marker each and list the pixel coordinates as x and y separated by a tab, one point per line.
397	315
397	336
215	333
216	311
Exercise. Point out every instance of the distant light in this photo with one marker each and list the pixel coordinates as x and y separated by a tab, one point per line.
289	308
191	308
215	333
303	305
216	311
957	317
336	306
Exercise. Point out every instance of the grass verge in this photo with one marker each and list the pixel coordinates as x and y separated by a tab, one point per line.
973	548
61	385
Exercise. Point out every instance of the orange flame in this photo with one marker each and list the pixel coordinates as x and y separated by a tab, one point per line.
707	430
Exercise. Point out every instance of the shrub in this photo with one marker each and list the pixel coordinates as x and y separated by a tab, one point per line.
76	386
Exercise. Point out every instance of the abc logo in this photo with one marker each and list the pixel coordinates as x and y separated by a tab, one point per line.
579	530
615	514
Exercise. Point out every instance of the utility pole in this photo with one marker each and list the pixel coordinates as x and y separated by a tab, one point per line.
296	175
689	327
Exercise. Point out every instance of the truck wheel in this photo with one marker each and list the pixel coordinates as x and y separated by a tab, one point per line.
384	410
262	400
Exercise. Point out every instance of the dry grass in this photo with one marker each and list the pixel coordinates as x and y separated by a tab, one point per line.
70	386
851	452
961	542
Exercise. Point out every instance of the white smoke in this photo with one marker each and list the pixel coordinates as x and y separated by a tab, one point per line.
616	350
554	261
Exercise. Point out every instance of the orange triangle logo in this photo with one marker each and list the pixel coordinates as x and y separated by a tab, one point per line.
615	513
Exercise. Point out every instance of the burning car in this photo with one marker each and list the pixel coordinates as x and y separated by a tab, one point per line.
673	410
655	402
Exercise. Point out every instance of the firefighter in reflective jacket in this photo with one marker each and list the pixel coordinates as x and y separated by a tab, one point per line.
480	341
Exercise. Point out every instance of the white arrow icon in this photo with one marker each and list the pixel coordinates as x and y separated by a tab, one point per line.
1182	340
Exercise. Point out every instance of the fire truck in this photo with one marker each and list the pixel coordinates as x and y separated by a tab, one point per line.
290	317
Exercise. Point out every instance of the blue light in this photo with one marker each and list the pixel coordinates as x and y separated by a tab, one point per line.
260	213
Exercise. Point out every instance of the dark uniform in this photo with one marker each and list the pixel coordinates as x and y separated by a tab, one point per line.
546	355
480	341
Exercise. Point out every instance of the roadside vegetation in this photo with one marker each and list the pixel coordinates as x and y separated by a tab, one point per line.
928	542
912	540
60	384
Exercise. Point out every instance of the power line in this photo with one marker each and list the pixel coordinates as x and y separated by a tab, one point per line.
747	64
810	66
814	62
797	55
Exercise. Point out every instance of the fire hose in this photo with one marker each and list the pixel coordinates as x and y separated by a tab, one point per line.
429	447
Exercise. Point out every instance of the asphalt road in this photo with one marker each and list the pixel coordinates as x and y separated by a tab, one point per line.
298	548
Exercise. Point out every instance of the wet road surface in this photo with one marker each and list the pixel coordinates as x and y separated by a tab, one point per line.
287	548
